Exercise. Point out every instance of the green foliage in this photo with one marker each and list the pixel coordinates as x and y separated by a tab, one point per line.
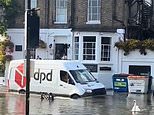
10	10
132	44
3	29
5	3
3	46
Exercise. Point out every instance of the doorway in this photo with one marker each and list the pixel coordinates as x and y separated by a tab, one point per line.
60	51
140	70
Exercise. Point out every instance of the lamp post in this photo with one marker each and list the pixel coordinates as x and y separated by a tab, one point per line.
27	58
32	23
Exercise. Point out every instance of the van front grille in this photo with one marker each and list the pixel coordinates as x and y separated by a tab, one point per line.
99	91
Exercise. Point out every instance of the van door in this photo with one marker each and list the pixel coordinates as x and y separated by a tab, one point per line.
42	80
66	85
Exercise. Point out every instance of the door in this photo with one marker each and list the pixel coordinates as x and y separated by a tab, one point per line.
60	51
65	85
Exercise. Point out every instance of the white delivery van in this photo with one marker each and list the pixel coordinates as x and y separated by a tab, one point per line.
60	77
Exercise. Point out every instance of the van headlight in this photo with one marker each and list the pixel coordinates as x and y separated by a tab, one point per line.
89	91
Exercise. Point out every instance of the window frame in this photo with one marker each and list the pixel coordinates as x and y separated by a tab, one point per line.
90	14
18	47
59	10
89	48
66	78
106	50
33	3
76	48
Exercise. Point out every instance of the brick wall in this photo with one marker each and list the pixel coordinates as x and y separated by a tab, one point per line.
78	18
107	22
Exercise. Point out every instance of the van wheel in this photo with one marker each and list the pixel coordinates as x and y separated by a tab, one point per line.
75	96
22	91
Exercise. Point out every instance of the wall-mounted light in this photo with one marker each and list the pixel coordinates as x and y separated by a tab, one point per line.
50	46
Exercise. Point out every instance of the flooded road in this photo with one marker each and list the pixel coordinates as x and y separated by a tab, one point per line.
110	104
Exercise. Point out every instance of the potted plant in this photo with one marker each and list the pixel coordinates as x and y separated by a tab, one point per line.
8	44
42	44
8	57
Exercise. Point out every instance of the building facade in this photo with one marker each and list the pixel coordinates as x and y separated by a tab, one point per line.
84	30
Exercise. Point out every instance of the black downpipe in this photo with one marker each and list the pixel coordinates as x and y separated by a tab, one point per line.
72	14
114	13
48	12
114	16
27	65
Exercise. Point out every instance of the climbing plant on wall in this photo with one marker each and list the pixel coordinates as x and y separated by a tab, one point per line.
133	44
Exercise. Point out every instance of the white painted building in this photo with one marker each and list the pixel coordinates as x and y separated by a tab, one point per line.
103	66
137	63
98	54
51	37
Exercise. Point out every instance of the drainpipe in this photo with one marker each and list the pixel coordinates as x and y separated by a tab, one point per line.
47	12
114	16
73	2
72	14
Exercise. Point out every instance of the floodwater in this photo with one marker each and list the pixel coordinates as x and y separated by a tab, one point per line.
110	104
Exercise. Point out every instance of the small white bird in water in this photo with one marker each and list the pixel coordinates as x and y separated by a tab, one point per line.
135	107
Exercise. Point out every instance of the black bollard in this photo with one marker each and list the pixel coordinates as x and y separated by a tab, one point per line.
42	96
51	97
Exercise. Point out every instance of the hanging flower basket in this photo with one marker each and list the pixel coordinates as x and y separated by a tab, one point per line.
8	57
133	44
8	44
6	49
42	44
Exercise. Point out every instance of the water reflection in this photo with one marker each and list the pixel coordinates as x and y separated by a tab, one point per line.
15	104
114	104
2	103
145	102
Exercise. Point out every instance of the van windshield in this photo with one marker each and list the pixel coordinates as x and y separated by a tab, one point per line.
82	76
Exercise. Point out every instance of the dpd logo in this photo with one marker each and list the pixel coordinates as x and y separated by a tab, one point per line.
41	76
19	76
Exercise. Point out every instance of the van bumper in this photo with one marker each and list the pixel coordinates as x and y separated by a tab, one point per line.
101	91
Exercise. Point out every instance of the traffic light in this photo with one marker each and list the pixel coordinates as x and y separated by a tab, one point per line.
33	28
